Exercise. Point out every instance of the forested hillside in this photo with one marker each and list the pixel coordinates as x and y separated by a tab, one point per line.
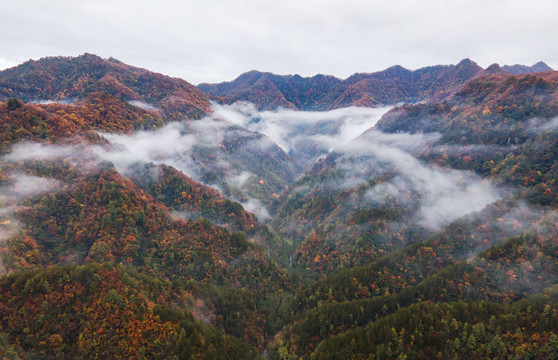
137	220
69	79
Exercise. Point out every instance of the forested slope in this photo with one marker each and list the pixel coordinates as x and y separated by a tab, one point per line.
125	230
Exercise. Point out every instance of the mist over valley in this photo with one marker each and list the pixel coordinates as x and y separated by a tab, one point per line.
278	216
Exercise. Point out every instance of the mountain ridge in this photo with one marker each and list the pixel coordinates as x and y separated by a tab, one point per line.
445	207
63	78
325	92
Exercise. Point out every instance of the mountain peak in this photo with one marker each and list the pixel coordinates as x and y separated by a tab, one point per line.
249	77
541	66
89	56
466	63
63	77
396	69
494	69
518	69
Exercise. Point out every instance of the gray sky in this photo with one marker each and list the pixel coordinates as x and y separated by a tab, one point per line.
216	40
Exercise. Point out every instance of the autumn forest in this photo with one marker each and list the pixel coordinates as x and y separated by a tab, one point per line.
400	214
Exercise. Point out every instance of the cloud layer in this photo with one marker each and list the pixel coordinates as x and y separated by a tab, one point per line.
21	187
227	151
303	134
443	194
230	145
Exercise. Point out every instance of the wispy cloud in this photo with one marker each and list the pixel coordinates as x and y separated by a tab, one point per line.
549	125
294	130
142	105
240	180
444	194
256	207
39	151
227	151
169	145
21	187
227	147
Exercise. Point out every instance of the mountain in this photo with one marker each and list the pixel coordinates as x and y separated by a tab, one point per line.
523	69
77	122
455	330
70	99
512	114
80	312
76	211
388	87
439	269
138	222
320	92
63	203
188	199
101	216
72	79
270	91
360	207
360	202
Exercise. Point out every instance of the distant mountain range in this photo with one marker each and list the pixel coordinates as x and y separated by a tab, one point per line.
74	78
388	87
523	69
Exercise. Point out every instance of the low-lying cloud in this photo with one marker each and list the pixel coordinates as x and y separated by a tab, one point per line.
48	102
142	105
24	186
444	194
256	207
169	145
296	131
549	125
240	180
226	150
21	187
39	151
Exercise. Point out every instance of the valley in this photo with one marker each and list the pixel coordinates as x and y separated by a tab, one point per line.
396	214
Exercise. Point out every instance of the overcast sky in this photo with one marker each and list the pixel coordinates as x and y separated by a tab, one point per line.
216	40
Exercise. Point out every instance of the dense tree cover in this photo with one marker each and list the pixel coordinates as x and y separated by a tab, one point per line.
109	113
449	265
156	265
64	123
95	312
105	217
415	262
190	199
100	216
334	224
33	122
354	297
67	78
490	110
269	167
499	126
476	330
